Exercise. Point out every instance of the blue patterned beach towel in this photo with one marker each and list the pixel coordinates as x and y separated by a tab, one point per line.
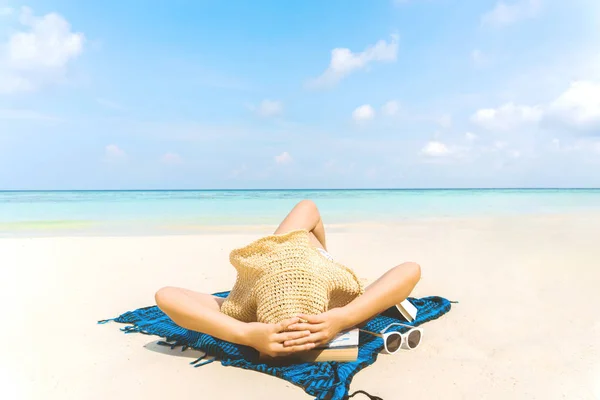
324	380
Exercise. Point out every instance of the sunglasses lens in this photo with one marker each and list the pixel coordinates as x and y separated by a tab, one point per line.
414	338
393	342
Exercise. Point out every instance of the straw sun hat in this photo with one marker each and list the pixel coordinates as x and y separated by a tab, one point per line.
281	276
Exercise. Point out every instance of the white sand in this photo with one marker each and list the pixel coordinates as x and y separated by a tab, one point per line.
527	325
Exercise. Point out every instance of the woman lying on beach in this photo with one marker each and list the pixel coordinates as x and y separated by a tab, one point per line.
202	312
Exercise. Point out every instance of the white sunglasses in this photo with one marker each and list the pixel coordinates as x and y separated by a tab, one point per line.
394	341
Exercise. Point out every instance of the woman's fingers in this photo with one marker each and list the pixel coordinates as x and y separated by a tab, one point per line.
295	349
285	324
287	336
298	342
320	343
304	326
313	319
315	338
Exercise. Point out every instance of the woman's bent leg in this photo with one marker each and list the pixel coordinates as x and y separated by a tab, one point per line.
305	215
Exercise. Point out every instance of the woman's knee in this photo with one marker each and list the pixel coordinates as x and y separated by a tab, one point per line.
412	270
308	206
164	297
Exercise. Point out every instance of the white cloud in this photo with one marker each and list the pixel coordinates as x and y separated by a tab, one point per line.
437	152
270	108
171	159
507	117
578	107
390	108
363	113
435	149
283	158
504	14
344	61
39	54
440	152
5	11
113	153
470	136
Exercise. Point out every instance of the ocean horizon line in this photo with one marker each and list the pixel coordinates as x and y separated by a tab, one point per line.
296	189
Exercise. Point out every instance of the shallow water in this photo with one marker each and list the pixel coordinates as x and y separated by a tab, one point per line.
115	212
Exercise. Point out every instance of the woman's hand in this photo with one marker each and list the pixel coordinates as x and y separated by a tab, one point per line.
322	327
268	339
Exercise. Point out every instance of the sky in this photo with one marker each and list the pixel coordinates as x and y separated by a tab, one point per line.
212	94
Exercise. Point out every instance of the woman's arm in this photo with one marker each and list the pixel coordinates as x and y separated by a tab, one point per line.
390	289
202	313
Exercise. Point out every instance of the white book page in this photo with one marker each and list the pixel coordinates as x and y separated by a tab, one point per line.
344	339
412	310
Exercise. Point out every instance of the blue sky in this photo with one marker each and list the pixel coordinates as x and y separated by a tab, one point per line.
311	94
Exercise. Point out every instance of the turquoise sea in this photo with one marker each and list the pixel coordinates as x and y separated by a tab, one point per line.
186	211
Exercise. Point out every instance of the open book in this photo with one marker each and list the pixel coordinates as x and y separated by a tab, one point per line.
343	339
343	348
408	310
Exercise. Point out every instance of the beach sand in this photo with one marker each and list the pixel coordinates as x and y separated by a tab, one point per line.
526	326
